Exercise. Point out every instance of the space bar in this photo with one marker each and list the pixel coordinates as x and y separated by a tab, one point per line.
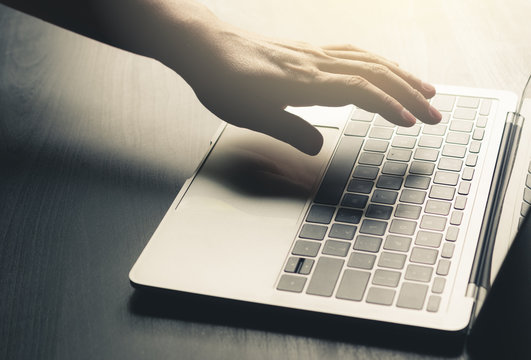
339	171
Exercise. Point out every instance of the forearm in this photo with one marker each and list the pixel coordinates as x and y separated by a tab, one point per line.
153	28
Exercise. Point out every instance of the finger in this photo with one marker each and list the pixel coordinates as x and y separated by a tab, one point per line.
290	129
426	89
348	89
391	83
342	47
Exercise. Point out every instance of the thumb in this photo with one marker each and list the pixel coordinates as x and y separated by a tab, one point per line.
290	129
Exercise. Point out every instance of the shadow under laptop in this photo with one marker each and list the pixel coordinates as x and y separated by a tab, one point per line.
208	310
503	327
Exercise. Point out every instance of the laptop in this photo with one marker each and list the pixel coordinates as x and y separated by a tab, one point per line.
386	223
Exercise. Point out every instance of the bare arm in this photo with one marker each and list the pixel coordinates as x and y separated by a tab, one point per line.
244	78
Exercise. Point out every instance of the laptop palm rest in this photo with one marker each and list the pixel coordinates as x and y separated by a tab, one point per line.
230	233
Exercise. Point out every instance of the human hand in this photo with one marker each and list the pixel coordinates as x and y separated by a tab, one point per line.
248	80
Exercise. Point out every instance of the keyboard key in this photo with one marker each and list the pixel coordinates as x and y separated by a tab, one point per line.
291	283
430	222
349	215
370	158
443	268
475	147
339	171
299	265
352	285
423	256
306	266
354	200
306	248
392	260
325	276
320	214
450	164
430	141
465	114
365	172
409	131
478	134
445	118
397	243
421	168
438	285
448	250
399	154
460	203
292	264
379	211
417	182
452	233
403	227
446	178
408	211
442	192
367	243
342	231
464	188
361	261
468	102
376	145
471	160
384	196
468	174
481	122
389	182
383	133
527	195
386	278
314	232
418	273
437	207
412	196
357	128
426	238
406	142
443	102
461	125
380	121
426	154
380	296
485	107
452	150
360	186
412	296
457	138
456	218
394	168
373	227
362	115
433	303
437	130
336	248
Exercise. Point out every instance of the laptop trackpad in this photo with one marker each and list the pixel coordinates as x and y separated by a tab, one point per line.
233	228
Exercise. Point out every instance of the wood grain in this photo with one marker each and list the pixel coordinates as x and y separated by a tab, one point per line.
96	142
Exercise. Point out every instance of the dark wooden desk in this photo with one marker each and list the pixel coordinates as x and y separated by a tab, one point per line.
95	143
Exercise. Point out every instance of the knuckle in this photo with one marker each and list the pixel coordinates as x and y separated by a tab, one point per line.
378	69
357	82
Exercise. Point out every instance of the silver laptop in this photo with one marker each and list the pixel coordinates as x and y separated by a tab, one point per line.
386	223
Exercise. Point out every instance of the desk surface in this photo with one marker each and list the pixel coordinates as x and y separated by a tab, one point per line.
96	142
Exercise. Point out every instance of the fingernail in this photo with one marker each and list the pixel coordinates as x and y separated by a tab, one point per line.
435	114
408	117
427	87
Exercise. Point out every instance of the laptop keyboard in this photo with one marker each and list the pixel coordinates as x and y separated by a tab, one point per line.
383	225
